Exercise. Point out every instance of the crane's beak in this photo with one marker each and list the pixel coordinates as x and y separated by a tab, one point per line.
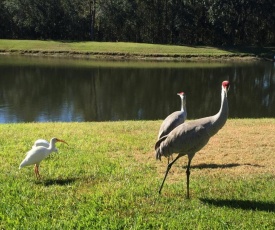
225	86
62	141
227	89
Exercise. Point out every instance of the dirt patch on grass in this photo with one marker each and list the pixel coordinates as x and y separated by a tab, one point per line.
241	148
133	56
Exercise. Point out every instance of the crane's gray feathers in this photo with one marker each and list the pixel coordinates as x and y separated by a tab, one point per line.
172	121
186	139
158	154
159	141
157	145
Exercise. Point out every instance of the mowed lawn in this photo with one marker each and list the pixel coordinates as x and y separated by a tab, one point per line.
128	50
108	178
105	47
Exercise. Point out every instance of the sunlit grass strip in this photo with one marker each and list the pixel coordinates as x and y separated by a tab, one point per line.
113	49
108	178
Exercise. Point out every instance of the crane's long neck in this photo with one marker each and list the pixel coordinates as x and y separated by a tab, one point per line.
183	104
218	120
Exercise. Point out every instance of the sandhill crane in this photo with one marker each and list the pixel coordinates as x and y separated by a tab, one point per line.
44	143
174	119
37	154
190	137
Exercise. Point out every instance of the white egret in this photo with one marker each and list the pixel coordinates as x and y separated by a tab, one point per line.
44	143
37	154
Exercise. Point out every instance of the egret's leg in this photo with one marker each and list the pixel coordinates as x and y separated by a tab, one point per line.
36	171
167	170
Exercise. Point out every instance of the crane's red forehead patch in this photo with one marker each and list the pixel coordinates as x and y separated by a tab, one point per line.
181	93
225	83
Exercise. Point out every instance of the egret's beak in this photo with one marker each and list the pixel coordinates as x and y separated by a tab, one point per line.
62	141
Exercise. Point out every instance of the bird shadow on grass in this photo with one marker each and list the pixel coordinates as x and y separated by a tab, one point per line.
215	166
61	182
241	204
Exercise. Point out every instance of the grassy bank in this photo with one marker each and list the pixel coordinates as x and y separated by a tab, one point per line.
108	178
123	50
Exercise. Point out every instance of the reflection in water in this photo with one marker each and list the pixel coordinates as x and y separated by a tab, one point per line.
50	90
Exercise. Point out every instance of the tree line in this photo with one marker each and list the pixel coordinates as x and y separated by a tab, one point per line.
189	22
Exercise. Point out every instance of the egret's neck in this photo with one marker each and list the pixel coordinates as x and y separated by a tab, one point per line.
220	118
52	145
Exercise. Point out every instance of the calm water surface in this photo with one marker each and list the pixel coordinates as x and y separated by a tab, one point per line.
36	89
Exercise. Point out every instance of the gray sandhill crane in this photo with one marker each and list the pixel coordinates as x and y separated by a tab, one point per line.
37	154
190	137
174	119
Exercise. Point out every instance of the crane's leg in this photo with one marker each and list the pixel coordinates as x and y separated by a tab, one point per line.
167	170
188	175
170	157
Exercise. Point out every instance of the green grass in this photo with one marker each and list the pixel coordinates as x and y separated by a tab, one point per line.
116	47
126	50
108	178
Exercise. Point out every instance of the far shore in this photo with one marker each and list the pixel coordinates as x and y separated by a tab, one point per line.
133	51
127	56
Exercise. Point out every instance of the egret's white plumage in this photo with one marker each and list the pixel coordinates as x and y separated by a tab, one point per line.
44	143
37	154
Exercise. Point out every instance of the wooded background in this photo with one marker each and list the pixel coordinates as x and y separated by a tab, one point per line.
189	22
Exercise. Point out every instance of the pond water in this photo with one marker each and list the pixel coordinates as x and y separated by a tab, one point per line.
36	89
